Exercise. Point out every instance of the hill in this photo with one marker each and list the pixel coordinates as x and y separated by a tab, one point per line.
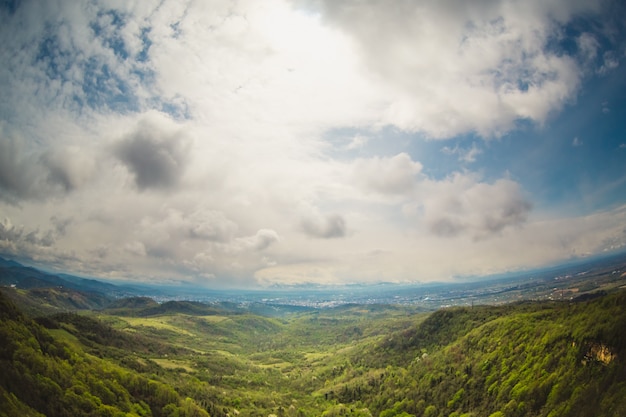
49	300
530	359
43	375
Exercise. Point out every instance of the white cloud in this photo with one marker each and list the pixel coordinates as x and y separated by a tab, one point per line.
452	67
357	142
464	155
610	62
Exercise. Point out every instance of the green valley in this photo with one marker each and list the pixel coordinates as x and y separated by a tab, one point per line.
141	358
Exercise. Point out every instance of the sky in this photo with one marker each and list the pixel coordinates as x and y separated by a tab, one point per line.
256	143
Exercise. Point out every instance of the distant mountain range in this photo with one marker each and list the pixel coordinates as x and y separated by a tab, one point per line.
16	275
41	291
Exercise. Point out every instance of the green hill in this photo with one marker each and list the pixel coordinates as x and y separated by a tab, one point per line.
44	375
550	359
188	359
42	301
183	307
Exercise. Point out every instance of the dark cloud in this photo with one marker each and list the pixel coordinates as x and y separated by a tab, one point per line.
446	227
157	158
332	226
61	224
18	170
161	251
481	210
38	174
18	239
515	212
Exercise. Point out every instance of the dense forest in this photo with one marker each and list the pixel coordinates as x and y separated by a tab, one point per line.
141	358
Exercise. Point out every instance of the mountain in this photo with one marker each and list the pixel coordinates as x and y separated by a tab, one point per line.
41	292
6	263
20	276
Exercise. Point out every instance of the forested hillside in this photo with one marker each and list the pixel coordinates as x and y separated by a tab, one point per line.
559	359
53	376
527	359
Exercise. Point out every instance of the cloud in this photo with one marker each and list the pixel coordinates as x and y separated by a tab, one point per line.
331	226
70	167
156	153
464	155
17	240
461	205
179	232
136	248
18	170
576	143
262	240
454	67
610	62
61	224
28	172
212	225
394	175
357	142
588	46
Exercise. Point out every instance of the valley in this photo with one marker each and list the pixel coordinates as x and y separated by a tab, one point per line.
70	352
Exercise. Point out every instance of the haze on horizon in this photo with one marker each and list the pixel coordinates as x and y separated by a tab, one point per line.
244	143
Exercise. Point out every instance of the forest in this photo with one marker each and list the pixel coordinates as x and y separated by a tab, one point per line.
138	357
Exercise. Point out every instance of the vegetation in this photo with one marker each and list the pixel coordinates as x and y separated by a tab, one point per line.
141	358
